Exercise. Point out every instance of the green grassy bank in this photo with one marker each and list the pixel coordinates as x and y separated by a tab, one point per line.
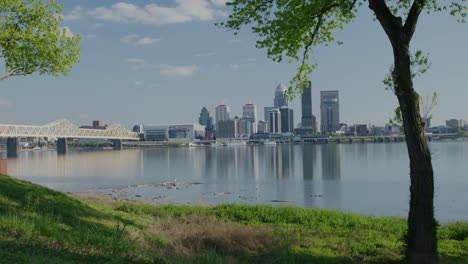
39	225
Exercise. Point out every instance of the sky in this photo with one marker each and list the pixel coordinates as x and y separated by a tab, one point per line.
160	62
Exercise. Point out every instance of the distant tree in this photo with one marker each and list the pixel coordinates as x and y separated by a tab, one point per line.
290	28
31	40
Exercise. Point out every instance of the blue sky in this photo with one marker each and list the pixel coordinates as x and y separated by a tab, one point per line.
159	62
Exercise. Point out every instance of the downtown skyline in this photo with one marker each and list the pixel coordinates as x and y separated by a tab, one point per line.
134	70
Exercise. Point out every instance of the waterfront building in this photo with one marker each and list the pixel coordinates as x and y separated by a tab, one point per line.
263	127
280	96
137	128
250	111
275	121
361	130
97	124
227	128
330	111
222	113
205	119
246	127
173	132
266	113
308	119
455	123
287	120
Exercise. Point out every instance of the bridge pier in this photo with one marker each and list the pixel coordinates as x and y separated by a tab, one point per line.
117	144
62	146
12	147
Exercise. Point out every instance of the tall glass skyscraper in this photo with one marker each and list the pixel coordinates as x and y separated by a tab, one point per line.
330	111
307	118
280	96
205	119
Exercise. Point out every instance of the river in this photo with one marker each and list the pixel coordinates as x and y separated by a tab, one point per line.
370	179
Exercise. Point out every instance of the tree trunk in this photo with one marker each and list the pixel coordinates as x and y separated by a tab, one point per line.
421	237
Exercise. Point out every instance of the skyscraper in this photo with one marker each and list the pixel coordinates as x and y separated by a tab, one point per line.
250	111
287	120
222	114
307	117
280	96
275	121
330	111
205	119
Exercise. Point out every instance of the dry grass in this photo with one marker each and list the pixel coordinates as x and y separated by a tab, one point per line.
194	235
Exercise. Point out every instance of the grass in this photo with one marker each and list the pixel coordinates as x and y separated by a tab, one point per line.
38	225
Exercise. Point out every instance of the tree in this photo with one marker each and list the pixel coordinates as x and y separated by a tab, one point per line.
31	40
290	28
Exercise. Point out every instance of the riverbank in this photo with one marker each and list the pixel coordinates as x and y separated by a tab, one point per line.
44	226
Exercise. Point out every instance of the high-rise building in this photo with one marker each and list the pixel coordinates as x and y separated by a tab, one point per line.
262	127
307	121
222	113
250	111
275	121
97	124
330	111
287	120
266	113
246	127
280	96
227	128
205	119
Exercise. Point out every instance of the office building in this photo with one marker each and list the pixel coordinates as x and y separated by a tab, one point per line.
287	120
307	120
280	96
330	111
455	123
266	113
205	119
262	127
250	111
246	127
222	113
275	121
227	128
173	132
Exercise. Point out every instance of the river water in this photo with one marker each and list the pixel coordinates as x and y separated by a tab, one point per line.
371	179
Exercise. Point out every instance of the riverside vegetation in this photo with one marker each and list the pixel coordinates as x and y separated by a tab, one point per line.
40	225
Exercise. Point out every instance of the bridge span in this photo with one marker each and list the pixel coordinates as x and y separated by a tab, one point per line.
62	129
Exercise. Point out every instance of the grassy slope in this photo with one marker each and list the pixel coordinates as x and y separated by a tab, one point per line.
43	226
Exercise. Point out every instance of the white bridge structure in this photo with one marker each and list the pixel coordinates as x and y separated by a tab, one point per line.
62	128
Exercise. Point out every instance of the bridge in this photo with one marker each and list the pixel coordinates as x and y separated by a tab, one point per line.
62	129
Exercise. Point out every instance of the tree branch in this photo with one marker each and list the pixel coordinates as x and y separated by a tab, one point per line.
412	19
390	23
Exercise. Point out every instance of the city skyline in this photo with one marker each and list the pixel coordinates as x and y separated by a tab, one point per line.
131	69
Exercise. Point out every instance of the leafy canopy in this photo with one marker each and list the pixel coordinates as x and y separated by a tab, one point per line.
290	28
32	41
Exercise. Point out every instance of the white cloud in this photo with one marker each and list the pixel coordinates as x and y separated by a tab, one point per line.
219	2
146	41
136	41
177	71
135	60
206	54
139	64
4	102
138	82
98	25
68	32
75	14
153	14
89	36
128	38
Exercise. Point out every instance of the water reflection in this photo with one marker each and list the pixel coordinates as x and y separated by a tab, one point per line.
339	176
